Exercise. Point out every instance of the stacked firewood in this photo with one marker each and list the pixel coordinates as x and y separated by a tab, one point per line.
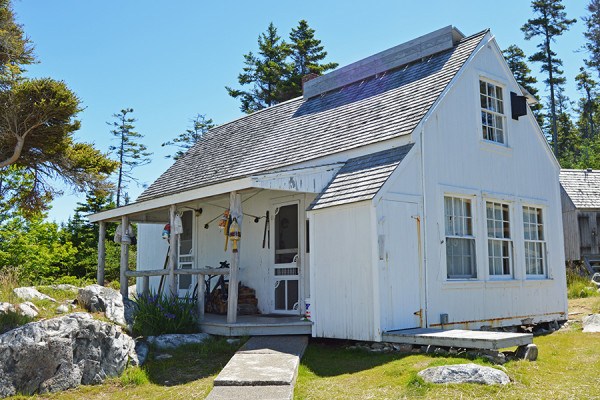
247	301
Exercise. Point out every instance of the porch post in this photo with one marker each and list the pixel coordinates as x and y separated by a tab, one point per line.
101	252
200	280
235	208
124	257
172	252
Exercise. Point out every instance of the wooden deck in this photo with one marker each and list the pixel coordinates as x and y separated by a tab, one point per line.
256	325
459	338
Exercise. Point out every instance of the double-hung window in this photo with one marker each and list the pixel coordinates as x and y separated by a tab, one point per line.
535	246
499	239
492	112
460	242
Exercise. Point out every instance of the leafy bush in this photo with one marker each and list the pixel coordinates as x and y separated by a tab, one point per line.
11	320
73	280
157	315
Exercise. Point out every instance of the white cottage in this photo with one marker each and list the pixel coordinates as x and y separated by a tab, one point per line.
413	188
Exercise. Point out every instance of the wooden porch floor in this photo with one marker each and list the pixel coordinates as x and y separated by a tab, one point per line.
458	338
256	325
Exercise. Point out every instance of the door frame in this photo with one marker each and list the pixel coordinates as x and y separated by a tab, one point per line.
275	204
189	291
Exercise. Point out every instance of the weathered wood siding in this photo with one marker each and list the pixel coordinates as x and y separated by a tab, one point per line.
570	227
459	162
342	273
589	230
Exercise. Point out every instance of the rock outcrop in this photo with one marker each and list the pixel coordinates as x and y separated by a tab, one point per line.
465	373
62	353
30	293
591	323
174	340
96	298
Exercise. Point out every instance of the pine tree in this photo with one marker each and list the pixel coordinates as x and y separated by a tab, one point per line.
592	34
130	153
307	53
550	22
265	73
187	139
515	58
588	104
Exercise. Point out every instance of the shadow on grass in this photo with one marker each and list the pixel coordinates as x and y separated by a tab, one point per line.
189	363
325	357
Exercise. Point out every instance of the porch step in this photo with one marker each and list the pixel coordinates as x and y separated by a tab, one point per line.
264	368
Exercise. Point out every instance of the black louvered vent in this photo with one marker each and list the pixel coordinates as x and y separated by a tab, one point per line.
518	105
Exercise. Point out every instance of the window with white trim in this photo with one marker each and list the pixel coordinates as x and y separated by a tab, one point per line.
460	242
492	112
499	239
535	245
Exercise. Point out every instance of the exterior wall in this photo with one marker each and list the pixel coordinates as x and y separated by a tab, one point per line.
570	227
459	162
151	252
342	273
589	230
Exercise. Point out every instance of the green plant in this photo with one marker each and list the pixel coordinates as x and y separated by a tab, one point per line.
157	315
9	279
11	320
134	376
579	286
73	280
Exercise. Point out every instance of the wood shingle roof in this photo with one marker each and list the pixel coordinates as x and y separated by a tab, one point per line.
379	108
582	186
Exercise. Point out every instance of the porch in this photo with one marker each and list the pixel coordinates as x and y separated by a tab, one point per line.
256	325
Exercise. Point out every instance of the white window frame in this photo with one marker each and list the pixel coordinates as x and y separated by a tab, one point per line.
451	234
539	230
493	237
496	108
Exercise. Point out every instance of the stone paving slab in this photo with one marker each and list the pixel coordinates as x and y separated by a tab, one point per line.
259	370
251	393
291	344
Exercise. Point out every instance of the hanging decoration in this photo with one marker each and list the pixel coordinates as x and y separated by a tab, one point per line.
235	234
166	233
224	223
177	225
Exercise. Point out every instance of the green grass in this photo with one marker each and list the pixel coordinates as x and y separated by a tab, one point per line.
578	286
568	362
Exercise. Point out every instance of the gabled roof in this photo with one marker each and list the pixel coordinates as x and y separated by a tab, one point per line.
375	109
360	178
582	186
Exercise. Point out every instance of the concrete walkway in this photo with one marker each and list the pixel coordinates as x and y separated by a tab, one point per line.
265	368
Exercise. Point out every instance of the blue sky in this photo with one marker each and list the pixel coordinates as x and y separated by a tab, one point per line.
170	60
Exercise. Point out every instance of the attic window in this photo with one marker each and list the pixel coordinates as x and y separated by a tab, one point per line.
492	112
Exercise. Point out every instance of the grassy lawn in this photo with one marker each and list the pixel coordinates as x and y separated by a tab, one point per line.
567	367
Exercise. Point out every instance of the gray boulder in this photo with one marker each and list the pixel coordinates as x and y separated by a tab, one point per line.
96	298
61	353
6	307
30	293
62	309
528	352
28	309
465	373
591	323
172	341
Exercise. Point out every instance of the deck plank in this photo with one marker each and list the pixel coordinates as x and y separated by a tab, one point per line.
458	338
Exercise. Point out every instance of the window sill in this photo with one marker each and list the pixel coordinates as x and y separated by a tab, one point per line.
495	147
533	281
462	284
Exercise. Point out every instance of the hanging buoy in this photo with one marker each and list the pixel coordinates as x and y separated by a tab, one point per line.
166	233
235	234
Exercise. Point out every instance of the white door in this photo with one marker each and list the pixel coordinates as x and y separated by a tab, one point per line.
185	283
401	279
286	260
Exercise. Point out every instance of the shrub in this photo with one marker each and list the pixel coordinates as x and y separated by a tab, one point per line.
579	286
9	279
134	376
157	315
11	320
73	280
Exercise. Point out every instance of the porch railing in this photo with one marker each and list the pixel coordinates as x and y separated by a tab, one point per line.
198	272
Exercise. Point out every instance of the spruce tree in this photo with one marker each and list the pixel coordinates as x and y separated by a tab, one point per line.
187	139
515	58
307	53
588	104
130	153
550	22
592	34
265	73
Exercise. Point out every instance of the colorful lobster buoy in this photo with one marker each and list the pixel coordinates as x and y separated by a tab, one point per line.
235	234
